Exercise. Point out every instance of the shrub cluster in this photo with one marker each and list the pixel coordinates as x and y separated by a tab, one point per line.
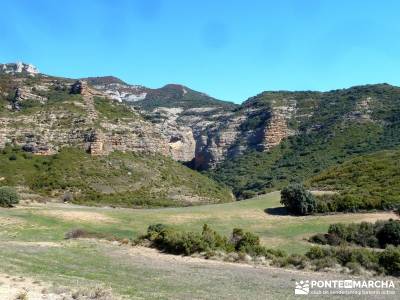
173	241
375	235
8	196
387	261
242	243
347	202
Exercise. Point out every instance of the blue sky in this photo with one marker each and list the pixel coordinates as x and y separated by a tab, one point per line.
230	49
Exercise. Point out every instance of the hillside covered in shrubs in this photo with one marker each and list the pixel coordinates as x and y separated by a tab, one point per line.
365	182
329	128
119	179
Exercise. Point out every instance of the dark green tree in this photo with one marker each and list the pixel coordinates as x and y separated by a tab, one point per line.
389	234
298	200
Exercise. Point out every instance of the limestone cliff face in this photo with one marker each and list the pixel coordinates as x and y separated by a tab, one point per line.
137	135
76	122
210	131
249	128
174	120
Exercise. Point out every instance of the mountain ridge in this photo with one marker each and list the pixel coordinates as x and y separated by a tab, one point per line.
263	144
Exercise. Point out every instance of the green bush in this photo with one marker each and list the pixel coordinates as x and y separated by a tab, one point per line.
374	235
324	262
298	261
338	229
298	200
354	267
213	240
326	203
328	257
8	196
390	260
319	238
389	234
179	242
244	240
315	253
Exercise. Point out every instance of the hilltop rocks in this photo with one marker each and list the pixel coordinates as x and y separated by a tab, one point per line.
19	67
118	90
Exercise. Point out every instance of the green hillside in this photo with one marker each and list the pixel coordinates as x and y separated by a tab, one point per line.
121	179
371	181
330	128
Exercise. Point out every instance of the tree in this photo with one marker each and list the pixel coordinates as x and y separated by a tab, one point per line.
8	196
298	200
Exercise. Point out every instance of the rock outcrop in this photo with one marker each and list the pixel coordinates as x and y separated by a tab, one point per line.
250	128
88	94
24	93
19	67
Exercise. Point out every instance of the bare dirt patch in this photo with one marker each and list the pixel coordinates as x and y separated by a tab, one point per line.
378	216
81	216
12	287
32	244
363	217
321	193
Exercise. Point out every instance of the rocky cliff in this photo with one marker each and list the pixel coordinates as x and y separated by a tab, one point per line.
220	129
18	68
44	114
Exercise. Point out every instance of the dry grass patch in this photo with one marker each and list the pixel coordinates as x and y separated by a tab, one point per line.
81	216
184	218
10	221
